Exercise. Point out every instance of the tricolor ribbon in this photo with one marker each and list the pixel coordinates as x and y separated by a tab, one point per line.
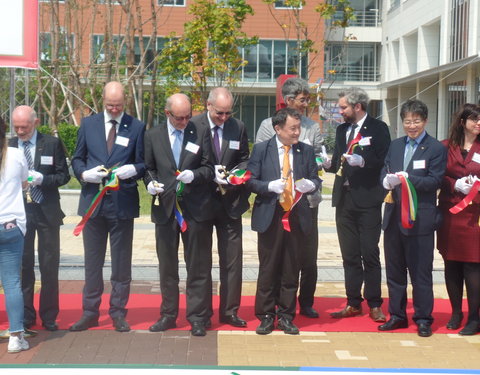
408	206
238	177
286	215
460	206
177	210
353	144
112	184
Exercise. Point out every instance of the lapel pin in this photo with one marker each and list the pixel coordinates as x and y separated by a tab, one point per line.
191	131
298	150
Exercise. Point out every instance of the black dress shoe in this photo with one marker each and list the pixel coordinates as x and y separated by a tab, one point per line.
120	324
393	323
29	323
455	321
309	312
50	326
471	328
162	324
424	330
84	323
198	329
287	326
233	320
266	325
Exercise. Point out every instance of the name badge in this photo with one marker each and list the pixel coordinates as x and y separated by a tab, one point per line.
476	157
365	141
419	164
46	160
122	141
234	145
307	141
192	147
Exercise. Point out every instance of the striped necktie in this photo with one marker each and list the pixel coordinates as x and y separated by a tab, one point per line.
35	191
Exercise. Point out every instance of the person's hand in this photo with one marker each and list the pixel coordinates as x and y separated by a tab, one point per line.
402	173
390	181
277	186
327	162
220	175
354	160
35	178
94	175
463	186
304	186
186	176
155	187
125	171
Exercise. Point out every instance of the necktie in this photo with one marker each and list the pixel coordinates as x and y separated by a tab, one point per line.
352	134
216	142
111	136
35	191
409	153
177	146
287	195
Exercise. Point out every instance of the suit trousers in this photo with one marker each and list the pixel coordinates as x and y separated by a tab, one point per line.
95	235
230	253
279	266
197	243
308	262
48	260
358	232
415	255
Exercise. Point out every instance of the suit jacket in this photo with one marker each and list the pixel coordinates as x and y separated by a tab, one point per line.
365	188
196	200
91	151
425	172
234	154
265	167
55	174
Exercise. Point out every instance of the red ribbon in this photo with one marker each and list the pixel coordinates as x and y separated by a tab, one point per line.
467	200
286	215
407	223
352	143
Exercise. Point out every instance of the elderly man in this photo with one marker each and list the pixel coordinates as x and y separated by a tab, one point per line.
48	171
179	162
296	94
361	144
109	139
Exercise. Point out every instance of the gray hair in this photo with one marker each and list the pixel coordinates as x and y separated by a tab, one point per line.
293	87
355	95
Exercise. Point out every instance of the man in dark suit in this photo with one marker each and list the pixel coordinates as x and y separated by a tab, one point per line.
230	150
422	159
179	162
282	218
358	196
48	171
106	140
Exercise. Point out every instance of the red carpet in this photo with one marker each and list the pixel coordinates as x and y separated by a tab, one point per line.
144	309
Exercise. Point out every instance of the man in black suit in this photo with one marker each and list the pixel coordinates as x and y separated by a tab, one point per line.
230	150
179	162
48	171
422	159
284	172
106	140
358	196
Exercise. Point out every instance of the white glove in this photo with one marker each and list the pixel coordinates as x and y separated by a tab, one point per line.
463	186
186	176
354	160
35	178
125	171
386	184
220	175
327	162
94	175
277	186
304	185
390	181
155	187
402	173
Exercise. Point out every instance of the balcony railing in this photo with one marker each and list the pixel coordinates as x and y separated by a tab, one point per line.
363	18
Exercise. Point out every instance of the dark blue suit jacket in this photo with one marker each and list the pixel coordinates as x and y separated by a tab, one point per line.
426	181
91	151
265	167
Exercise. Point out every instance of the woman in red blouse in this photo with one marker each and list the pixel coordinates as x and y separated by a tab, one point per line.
458	239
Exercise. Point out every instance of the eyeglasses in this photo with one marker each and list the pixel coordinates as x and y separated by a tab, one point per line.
180	118
302	100
112	106
410	122
220	113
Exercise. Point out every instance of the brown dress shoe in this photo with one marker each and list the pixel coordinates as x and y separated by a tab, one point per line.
347	312
377	315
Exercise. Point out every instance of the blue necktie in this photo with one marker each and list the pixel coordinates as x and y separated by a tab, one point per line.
35	191
177	146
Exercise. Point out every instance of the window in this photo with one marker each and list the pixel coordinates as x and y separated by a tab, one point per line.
288	4
456	97
252	110
367	13
171	3
459	30
46	48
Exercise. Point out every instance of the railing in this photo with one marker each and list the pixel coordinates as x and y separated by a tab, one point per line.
363	18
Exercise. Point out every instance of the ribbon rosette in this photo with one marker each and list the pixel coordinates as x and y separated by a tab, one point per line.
238	177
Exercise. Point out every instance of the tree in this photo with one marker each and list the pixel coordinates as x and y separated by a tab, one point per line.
209	51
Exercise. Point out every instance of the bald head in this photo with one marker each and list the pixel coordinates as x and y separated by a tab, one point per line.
219	105
114	98
179	110
24	119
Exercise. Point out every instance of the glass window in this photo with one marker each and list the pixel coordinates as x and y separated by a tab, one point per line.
118	49
171	3
284	4
46	46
